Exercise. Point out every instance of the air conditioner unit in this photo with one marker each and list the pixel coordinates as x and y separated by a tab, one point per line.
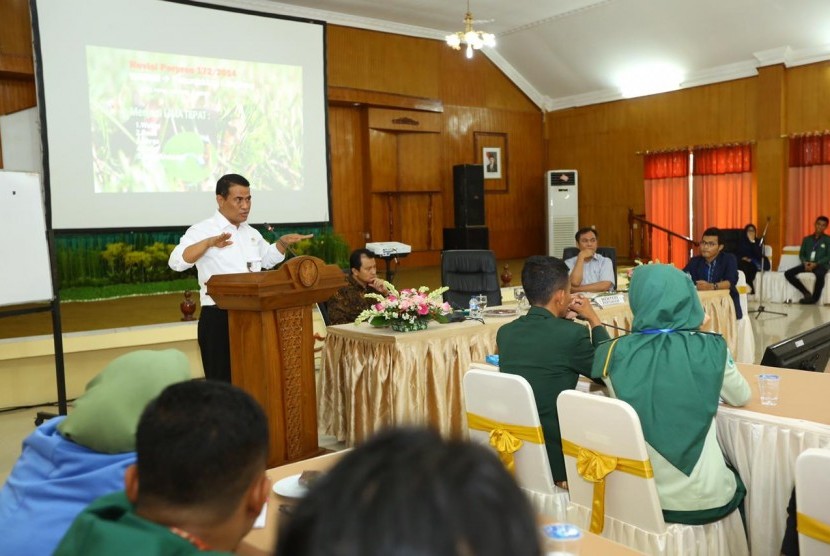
563	209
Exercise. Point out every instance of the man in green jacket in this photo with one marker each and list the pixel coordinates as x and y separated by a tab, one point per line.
547	349
199	483
815	258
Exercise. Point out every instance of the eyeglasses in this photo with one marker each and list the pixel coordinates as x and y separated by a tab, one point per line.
708	243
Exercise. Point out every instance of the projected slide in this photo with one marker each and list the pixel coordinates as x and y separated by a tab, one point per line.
144	104
166	122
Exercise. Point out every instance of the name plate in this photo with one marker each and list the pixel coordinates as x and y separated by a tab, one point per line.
610	300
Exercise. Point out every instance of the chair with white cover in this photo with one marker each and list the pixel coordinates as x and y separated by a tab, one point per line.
595	428
501	408
745	340
812	488
776	287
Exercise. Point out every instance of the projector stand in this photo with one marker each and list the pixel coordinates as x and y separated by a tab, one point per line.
390	272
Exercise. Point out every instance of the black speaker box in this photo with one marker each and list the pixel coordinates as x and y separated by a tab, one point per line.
468	186
466	238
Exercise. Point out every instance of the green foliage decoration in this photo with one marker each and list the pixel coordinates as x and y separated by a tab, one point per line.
327	245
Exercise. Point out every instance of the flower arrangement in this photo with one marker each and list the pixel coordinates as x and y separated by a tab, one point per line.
407	310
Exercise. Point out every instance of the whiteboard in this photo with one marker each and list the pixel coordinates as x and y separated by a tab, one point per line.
26	274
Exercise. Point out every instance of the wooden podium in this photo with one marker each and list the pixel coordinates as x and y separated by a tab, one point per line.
272	346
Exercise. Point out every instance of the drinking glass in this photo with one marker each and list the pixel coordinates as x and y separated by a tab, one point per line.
482	303
561	539
521	299
768	386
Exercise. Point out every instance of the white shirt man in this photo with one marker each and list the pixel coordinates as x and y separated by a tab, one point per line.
590	271
224	244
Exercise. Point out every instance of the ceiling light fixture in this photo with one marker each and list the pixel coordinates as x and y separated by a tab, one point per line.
473	39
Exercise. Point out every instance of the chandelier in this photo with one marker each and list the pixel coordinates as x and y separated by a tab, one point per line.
470	37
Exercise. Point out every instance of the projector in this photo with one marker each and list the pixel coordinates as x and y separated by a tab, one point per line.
389	248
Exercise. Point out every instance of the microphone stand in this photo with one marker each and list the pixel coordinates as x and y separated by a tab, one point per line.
759	278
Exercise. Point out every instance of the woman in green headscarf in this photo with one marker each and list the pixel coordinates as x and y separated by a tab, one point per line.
672	375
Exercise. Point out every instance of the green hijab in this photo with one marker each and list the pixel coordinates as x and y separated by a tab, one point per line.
106	416
670	373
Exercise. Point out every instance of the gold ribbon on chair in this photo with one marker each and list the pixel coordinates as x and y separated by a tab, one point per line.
506	438
594	467
813	528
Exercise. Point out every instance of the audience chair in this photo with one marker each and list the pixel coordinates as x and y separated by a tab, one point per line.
469	272
610	252
595	426
776	289
812	488
789	257
501	413
745	349
323	308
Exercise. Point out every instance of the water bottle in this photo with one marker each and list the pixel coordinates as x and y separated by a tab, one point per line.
474	310
561	539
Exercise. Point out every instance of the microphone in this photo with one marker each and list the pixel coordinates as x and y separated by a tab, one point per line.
270	228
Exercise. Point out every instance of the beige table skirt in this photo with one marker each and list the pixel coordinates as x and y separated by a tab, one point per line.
373	378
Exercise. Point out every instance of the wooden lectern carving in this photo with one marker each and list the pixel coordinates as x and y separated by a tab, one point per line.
272	346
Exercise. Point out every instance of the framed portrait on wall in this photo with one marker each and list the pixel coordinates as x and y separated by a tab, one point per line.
491	157
491	153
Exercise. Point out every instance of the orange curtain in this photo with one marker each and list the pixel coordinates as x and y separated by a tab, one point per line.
667	203
722	187
808	185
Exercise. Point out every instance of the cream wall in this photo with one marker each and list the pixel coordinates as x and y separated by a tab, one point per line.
27	365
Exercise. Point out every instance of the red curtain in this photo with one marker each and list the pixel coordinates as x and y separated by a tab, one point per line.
808	185
722	187
667	202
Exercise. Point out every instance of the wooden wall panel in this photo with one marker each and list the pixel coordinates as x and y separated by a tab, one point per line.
602	141
420	159
383	149
476	97
382	62
808	88
348	151
516	218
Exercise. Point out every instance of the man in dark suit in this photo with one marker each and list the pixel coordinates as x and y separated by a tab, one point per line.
547	349
713	269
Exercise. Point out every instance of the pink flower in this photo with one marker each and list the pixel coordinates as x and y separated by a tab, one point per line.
423	309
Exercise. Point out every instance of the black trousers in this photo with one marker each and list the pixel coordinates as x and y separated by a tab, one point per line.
749	271
214	343
792	277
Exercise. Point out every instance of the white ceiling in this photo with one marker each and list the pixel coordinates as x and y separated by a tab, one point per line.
566	53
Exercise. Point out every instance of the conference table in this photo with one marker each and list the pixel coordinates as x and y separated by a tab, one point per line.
763	442
262	541
373	378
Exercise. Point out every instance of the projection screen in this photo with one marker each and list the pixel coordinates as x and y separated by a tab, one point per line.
144	104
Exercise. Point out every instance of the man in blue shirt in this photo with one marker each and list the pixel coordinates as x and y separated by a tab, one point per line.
713	269
815	258
590	271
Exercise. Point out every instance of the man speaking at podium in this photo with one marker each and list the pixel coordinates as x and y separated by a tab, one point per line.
224	244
